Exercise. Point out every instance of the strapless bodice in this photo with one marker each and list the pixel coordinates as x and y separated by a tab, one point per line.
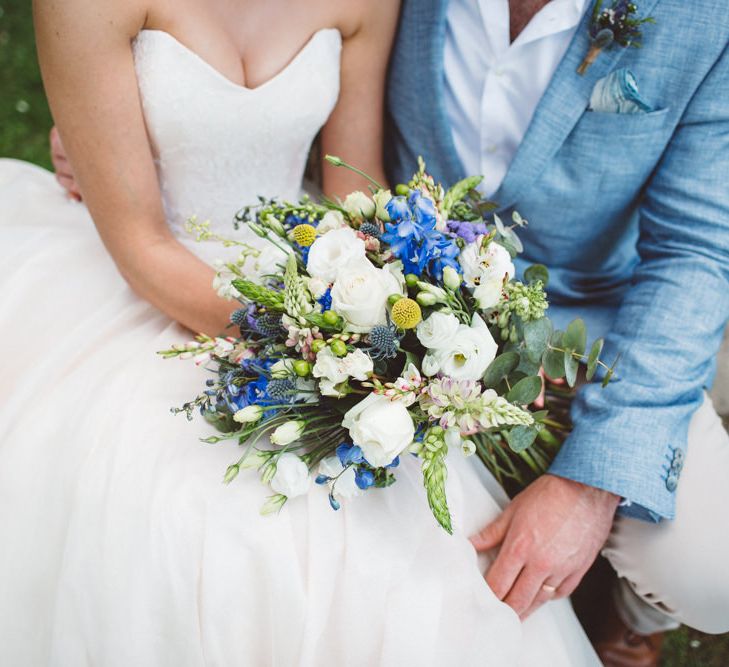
218	145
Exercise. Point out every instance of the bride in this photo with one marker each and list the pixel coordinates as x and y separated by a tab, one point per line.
120	545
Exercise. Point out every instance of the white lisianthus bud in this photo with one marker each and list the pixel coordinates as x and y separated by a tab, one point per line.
282	369
438	292
382	199
249	414
451	278
359	205
292	476
288	433
426	299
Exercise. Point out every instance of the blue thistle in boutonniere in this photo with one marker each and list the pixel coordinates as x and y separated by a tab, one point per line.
617	24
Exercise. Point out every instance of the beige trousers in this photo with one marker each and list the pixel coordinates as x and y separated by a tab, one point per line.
677	572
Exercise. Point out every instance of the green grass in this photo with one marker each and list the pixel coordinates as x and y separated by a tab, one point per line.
24	125
24	116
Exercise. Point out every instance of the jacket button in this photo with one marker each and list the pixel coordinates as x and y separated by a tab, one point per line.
672	483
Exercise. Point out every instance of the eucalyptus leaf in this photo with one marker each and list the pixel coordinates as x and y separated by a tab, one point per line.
537	272
553	364
521	438
576	336
501	367
571	366
525	391
537	334
539	416
594	357
527	366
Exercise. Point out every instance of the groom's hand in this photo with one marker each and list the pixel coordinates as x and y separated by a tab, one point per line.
550	535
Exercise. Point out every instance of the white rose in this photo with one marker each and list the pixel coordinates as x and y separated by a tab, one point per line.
346	486
288	433
360	293
381	428
482	265
292	476
438	330
359	205
327	366
467	356
333	389
336	249
332	220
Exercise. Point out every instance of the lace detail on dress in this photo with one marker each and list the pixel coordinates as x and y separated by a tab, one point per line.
219	145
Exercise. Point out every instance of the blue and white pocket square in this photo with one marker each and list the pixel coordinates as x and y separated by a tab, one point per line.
618	93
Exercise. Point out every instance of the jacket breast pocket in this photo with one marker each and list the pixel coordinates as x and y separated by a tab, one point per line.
607	151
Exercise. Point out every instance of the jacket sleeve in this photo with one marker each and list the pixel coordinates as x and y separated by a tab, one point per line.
631	437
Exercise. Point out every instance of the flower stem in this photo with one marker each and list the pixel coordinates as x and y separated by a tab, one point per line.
338	162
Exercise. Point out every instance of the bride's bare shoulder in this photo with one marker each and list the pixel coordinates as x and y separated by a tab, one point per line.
61	19
364	16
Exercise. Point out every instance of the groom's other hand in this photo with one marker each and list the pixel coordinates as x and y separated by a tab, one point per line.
550	535
62	167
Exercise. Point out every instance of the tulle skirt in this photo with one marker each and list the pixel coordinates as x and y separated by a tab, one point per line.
120	544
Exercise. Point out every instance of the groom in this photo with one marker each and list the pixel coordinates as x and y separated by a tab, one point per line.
629	208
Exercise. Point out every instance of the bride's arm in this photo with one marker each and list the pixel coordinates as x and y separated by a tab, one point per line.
354	131
88	69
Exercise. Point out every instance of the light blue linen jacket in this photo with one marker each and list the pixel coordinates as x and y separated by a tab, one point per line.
630	212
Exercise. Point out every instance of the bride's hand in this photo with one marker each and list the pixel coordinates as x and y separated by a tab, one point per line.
62	167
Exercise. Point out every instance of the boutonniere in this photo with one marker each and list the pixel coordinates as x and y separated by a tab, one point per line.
614	25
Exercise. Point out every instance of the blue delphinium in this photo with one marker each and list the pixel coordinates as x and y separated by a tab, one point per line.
414	239
468	231
325	300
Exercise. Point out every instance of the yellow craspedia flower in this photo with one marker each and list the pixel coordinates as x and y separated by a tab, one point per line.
406	314
304	235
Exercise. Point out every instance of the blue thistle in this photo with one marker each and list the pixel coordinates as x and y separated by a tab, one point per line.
384	341
281	390
269	325
371	229
239	317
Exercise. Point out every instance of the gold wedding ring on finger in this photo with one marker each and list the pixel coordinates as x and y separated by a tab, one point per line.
549	590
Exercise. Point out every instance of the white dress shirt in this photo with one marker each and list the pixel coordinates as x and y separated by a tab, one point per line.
493	87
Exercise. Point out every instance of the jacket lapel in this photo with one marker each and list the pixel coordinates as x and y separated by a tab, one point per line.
564	101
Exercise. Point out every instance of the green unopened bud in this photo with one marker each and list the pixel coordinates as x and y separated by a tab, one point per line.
318	345
411	280
402	190
451	278
268	472
257	229
275	226
436	430
339	348
302	368
231	473
394	298
426	299
330	317
333	159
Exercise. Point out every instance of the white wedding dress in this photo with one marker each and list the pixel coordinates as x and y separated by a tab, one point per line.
119	545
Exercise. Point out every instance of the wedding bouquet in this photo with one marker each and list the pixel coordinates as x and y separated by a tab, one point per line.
386	325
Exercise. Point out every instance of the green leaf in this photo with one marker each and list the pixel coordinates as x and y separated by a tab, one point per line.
525	391
576	336
521	438
571	366
539	416
553	364
317	320
527	367
594	358
501	367
610	373
535	273
536	336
